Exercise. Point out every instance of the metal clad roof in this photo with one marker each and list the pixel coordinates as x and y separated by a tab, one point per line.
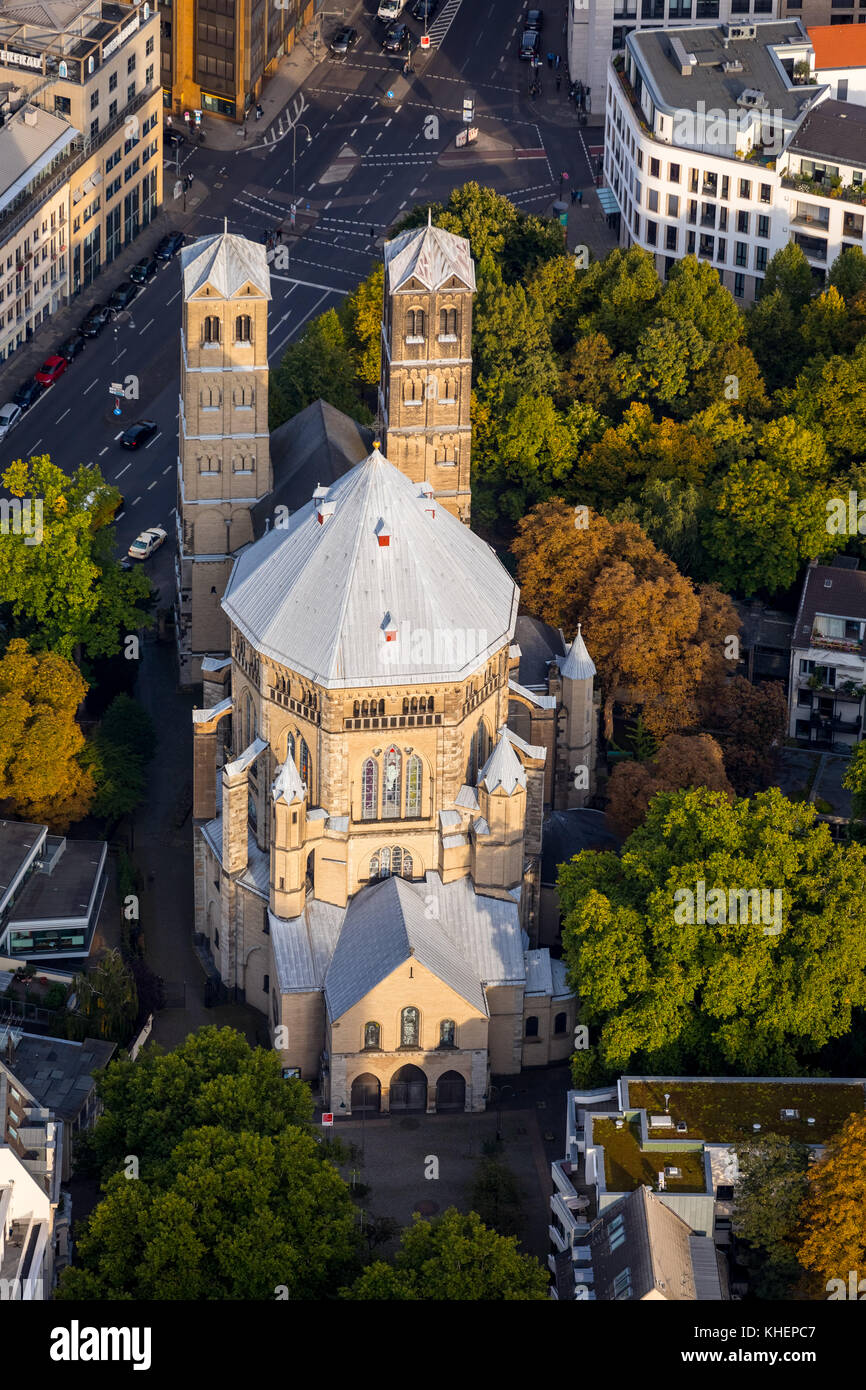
578	665
503	768
428	254
227	262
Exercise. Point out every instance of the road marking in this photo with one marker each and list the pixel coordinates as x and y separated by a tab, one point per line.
119	515
331	289
93	383
363	119
153	441
138	499
61	417
118	357
103	451
153	484
122	471
146	327
173	298
89	465
278	346
379	136
353	132
388	122
117	436
166	470
34	446
173	511
328	204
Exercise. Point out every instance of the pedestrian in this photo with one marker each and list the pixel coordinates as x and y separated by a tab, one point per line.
372	233
558	81
574	195
558	61
579	197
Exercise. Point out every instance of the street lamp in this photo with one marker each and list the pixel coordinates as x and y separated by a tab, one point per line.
496	1093
295	153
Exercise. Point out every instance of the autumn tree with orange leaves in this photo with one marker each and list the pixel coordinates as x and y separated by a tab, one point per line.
833	1225
658	641
683	760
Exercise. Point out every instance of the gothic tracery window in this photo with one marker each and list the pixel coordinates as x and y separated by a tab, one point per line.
368	790
211	329
409	1027
372	1035
413	786
391	779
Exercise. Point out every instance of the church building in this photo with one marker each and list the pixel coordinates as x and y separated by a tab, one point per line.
382	732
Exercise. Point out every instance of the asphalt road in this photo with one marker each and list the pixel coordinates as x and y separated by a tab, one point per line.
369	158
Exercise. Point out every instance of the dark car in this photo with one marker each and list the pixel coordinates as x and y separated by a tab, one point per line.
138	434
424	9
28	393
96	320
122	296
529	44
396	39
169	246
145	270
72	347
344	40
534	20
172	139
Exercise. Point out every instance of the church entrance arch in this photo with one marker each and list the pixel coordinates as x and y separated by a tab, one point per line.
366	1094
450	1092
408	1090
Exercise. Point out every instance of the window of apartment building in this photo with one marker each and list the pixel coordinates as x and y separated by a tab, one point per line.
766	193
131	170
743	223
112	160
706	247
723	219
707	9
745	188
760	258
673	205
652	198
655	168
763	6
640	159
113	188
693	212
764	227
112	82
94	100
680	9
652	9
721	249
670	238
130	92
638	190
690	244
148	76
726	186
652	233
673	173
112	109
741	253
694	180
739	6
130	64
148	47
94	128
635	221
739	285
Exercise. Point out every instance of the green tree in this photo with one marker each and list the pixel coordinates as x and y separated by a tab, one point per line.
855	781
830	397
68	591
618	297
848	272
771	1184
824	325
693	294
671	514
495	1196
453	1259
118	755
772	334
318	366
669	354
361	316
667	993
789	271
235	1215
107	1001
510	339
731	375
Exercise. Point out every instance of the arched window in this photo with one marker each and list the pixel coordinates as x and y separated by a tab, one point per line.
243	329
413	705
409	1027
413	390
384	863
374	866
249	721
449	390
290	746
407	865
413	786
532	1027
396	860
372	1035
415	323
381	707
368	790
429	704
391	779
211	329
304	765
560	1023
447	1032
252	814
365	708
447	321
356	709
405	706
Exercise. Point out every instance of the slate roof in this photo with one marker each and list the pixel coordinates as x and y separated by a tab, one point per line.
226	261
539	644
660	1251
832	590
567	833
318	445
58	1074
430	255
385	925
833	130
318	596
578	665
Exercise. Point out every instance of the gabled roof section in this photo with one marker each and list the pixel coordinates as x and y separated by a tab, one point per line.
287	784
578	665
232	266
385	925
503	768
429	255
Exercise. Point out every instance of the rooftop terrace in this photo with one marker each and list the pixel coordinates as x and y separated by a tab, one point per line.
720	1111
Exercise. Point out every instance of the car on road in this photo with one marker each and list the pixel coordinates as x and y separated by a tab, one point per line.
122	296
169	246
28	393
424	9
389	10
96	320
145	270
51	370
534	20
10	414
144	545
396	39
530	45
72	347
138	434
344	40
172	139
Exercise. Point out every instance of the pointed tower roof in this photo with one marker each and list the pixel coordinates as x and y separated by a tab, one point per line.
227	262
287	784
578	664
428	254
503	768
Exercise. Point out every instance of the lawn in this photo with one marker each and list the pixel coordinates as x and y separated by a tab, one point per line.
718	1111
626	1165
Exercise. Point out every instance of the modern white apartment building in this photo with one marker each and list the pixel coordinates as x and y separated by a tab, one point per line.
718	143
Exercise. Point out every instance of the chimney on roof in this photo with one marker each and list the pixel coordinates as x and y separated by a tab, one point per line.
383	534
324	510
389	627
426	491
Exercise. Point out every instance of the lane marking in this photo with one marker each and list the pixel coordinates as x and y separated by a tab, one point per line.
122	471
93	383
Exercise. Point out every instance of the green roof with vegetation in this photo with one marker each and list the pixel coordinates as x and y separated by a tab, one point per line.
627	1165
719	1111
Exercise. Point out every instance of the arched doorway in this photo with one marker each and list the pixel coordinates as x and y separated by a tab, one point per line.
366	1094
451	1091
408	1089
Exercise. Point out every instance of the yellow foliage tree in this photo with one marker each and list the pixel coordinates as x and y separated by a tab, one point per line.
833	1225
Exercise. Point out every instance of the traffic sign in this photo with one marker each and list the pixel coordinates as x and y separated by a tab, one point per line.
390	96
116	388
328	1119
425	40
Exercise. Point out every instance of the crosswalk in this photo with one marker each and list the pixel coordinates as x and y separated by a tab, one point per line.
442	23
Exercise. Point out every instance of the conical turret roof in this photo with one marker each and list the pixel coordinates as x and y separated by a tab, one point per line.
578	664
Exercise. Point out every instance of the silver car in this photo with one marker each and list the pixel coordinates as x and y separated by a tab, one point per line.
10	414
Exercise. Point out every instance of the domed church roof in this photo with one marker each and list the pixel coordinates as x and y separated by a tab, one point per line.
373	583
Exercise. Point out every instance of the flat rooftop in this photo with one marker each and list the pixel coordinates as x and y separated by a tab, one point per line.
66	891
834	130
57	1073
708	82
628	1166
29	141
722	1110
17	838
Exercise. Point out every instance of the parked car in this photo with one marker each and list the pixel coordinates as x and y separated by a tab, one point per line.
172	139
28	393
344	40
51	370
145	270
396	39
122	296
169	246
534	20
10	414
144	545
72	347
138	434
530	45
424	9
96	320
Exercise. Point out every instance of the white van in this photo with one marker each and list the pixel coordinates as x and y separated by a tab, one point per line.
389	10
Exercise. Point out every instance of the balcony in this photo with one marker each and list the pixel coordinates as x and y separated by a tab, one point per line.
815	248
834	644
845	193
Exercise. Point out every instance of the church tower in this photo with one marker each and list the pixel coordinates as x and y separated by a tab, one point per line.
426	383
224	464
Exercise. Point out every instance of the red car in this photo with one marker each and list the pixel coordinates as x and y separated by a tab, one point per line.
51	369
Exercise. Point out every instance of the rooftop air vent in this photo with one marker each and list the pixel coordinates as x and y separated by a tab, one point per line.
324	510
681	58
389	627
383	535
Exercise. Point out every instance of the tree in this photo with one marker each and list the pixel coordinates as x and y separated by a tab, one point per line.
824	326
681	761
676	978
771	333
240	1215
319	365
693	294
771	1184
118	755
732	375
107	1004
42	772
830	398
789	271
361	315
593	375
516	241
68	590
453	1259
669	354
655	639
496	1195
751	722
848	272
832	1239
510	339
618	297
855	781
638	451
672	515
213	1078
